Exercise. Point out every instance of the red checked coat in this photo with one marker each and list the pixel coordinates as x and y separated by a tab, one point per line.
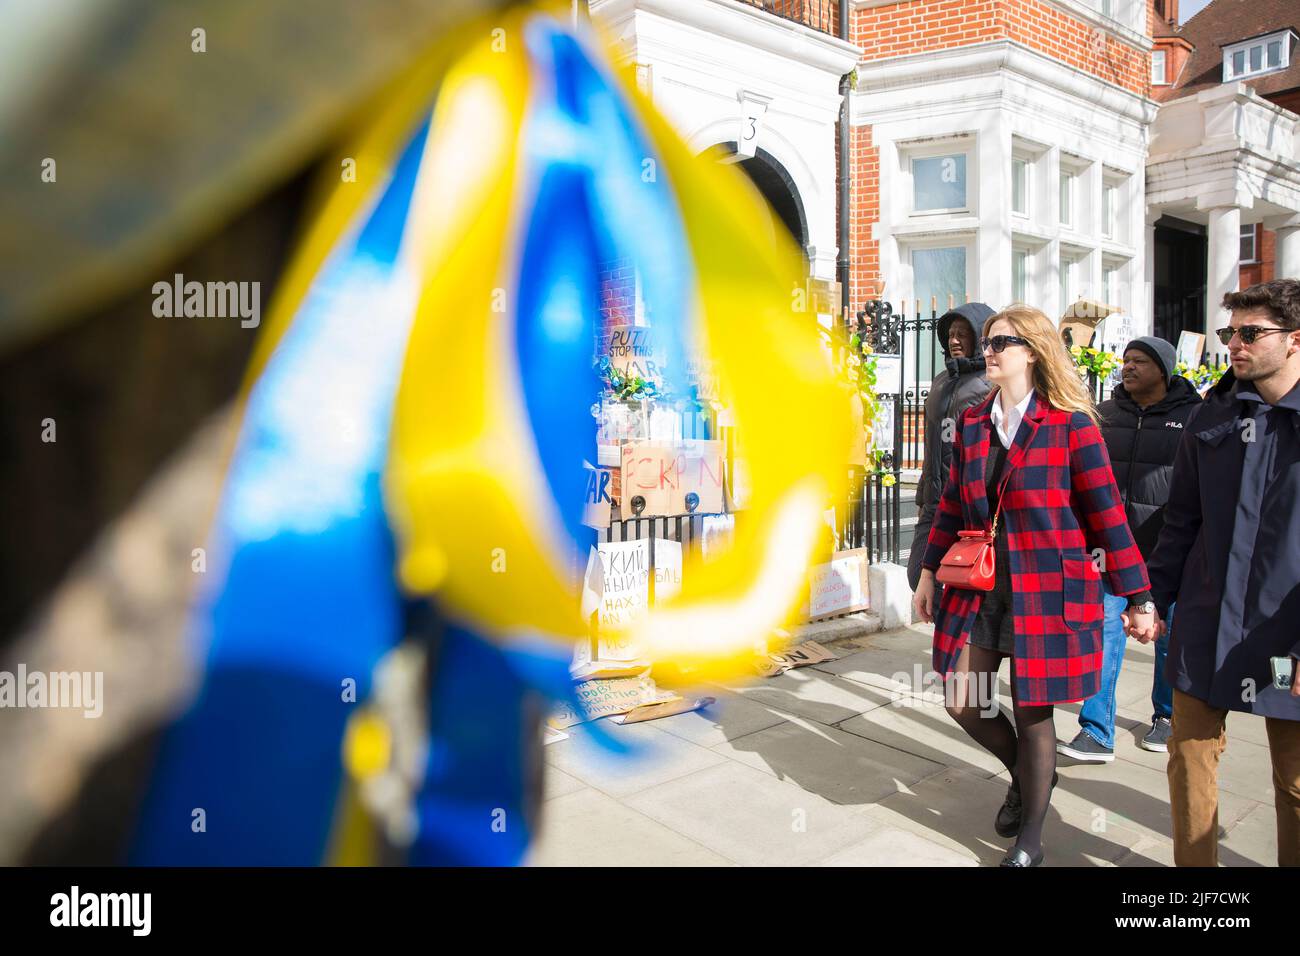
1060	508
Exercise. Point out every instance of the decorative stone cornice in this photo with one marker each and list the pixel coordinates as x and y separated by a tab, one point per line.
743	23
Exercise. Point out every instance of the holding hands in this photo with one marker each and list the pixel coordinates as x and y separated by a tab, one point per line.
1144	626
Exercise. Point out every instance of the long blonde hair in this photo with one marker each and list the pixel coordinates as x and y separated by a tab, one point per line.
1055	378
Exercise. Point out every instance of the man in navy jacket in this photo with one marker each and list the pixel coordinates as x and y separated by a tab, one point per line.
1229	554
1142	422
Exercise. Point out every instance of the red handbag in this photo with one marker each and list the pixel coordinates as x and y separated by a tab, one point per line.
971	561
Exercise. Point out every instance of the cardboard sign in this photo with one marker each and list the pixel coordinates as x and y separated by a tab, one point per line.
800	655
1080	321
665	473
839	586
596	505
667	708
601	698
630	348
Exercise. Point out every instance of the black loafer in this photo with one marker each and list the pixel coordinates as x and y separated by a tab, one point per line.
1007	822
1018	857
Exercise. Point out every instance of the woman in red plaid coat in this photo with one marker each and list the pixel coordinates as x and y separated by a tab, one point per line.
1031	456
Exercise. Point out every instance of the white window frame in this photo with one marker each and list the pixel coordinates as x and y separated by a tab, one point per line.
1261	43
1068	209
1024	293
1116	267
1159	77
1070	262
964	148
1027	164
1254	243
906	252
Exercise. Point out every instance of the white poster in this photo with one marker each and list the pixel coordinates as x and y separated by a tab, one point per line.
889	374
715	535
668	569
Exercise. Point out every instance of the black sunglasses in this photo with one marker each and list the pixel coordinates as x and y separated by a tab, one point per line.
999	342
1248	333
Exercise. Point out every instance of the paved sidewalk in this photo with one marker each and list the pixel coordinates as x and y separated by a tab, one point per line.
842	765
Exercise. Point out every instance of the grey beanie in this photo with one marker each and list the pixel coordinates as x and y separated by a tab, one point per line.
1158	349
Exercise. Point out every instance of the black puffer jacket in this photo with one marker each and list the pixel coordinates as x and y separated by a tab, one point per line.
960	385
1142	444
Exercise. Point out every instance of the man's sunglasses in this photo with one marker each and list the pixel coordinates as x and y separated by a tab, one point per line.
999	343
1248	333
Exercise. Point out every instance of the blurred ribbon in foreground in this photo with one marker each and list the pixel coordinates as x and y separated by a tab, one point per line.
409	461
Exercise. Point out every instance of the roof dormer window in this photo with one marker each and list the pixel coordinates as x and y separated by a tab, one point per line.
1258	55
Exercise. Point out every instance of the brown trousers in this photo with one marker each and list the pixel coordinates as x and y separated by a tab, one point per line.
1196	741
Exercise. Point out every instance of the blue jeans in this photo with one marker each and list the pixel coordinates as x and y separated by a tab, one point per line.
1162	693
1097	716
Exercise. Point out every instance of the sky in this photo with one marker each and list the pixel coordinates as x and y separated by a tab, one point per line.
1189	8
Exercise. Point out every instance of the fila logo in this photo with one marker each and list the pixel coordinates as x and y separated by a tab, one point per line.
1173	424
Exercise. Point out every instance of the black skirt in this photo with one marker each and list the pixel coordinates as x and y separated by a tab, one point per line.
994	626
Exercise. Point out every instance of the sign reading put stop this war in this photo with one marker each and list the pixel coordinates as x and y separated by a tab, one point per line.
631	349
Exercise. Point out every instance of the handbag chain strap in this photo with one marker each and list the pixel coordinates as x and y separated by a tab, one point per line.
1002	489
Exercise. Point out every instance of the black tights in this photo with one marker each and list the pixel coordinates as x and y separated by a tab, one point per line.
1030	756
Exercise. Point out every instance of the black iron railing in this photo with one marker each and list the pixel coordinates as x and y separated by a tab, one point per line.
821	15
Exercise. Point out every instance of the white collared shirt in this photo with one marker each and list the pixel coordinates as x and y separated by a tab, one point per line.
1007	425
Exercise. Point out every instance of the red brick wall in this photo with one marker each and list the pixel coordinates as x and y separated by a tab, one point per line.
1265	269
617	293
920	26
864	212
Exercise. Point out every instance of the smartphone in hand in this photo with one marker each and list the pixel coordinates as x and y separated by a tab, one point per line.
1283	672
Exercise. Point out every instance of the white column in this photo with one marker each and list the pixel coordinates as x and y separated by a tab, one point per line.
1223	270
1147	320
1288	253
992	271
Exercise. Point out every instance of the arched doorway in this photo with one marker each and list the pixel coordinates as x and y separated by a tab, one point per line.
777	186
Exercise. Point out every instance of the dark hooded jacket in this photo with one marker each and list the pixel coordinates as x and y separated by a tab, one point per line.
1229	551
1142	444
960	385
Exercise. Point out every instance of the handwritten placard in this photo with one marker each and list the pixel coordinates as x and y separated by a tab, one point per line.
601	698
596	505
631	349
838	586
624	588
664	473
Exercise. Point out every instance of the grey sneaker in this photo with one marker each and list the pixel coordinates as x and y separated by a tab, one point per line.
1084	748
1157	738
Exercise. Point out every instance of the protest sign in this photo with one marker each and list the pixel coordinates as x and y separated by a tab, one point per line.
799	655
664	473
631	349
601	698
838	586
595	509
